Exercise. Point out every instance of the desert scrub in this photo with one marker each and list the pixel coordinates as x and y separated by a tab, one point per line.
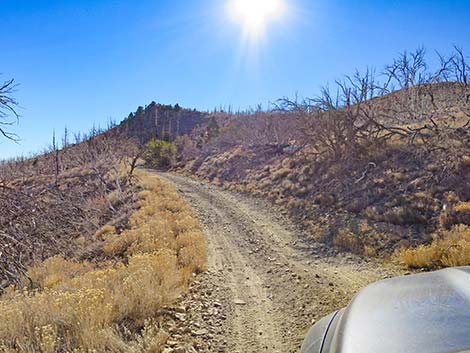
160	154
109	306
455	214
348	241
451	248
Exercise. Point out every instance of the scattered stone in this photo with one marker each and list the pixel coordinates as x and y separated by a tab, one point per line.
181	317
239	302
171	343
180	309
200	332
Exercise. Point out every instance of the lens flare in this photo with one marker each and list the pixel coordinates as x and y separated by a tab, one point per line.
255	15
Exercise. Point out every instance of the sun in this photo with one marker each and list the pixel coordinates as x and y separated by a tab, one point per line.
255	15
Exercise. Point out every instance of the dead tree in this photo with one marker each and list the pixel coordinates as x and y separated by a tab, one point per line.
8	105
427	108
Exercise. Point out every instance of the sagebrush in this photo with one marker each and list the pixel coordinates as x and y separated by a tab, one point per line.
112	305
451	248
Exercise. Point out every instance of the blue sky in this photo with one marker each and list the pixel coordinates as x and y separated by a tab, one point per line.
78	63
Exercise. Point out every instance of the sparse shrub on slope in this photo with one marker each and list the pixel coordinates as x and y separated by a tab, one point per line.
49	201
458	214
160	154
452	248
186	148
381	148
111	306
348	241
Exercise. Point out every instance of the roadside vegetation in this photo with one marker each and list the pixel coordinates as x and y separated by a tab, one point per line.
449	248
51	200
109	303
375	164
160	154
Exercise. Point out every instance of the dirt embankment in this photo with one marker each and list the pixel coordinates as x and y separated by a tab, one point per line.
266	282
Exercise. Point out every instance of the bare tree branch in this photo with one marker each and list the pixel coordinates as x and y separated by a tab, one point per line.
8	105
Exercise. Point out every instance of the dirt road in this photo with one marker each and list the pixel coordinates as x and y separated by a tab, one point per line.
266	282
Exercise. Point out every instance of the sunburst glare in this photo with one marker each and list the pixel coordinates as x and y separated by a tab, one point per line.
255	15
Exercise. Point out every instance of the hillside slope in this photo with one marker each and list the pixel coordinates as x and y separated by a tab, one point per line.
391	186
52	201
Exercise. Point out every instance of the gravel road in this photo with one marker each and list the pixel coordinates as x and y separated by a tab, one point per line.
266	282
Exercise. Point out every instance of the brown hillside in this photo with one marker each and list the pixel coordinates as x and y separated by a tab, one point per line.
390	187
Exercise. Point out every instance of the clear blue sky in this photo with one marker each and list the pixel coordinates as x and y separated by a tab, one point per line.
81	62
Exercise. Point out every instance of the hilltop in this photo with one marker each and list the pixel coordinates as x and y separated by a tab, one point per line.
159	121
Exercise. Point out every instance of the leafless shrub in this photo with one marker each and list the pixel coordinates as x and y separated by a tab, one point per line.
355	114
50	200
8	106
253	129
343	122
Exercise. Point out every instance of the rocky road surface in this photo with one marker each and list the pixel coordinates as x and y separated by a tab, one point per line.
266	282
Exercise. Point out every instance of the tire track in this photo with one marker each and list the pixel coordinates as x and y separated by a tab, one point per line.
274	282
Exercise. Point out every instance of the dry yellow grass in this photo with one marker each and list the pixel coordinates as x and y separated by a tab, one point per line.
463	207
84	307
451	249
